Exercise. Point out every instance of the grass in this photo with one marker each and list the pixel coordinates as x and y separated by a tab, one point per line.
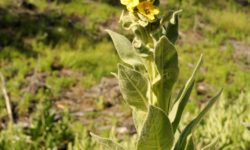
223	22
98	60
226	74
228	119
86	54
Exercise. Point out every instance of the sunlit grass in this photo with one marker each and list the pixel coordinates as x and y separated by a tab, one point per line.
226	74
233	22
94	62
227	118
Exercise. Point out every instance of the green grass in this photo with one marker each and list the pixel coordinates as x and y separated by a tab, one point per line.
219	69
229	119
232	22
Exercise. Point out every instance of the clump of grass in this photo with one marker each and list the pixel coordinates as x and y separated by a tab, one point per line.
82	140
233	22
46	132
95	62
57	84
227	74
229	119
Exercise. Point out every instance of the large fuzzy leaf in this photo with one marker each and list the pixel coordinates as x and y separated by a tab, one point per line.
166	61
182	99
125	49
181	143
107	143
157	131
133	87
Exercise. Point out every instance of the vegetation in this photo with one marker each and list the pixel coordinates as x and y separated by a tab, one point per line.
52	51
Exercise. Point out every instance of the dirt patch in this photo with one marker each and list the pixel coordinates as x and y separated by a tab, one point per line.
106	92
34	81
100	107
111	23
241	53
190	37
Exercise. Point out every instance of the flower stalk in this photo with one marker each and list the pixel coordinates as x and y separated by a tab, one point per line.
147	75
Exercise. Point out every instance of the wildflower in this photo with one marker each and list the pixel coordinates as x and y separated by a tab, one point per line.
147	9
131	4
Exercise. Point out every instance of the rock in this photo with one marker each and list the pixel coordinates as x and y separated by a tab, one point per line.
122	130
202	89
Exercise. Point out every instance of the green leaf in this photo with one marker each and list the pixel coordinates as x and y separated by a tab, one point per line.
133	87
181	106
190	80
173	25
125	49
138	118
166	17
166	60
126	21
190	143
183	97
107	143
142	34
157	133
180	144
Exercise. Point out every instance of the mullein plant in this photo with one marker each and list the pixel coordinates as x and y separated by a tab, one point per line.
147	74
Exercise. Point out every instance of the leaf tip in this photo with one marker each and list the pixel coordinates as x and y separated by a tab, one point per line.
91	134
108	31
114	74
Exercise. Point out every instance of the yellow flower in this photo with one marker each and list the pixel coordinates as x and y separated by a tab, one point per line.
147	9
131	4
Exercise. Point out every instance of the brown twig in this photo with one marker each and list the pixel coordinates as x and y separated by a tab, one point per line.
6	97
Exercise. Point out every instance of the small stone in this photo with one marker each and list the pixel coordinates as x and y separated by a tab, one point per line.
122	130
202	89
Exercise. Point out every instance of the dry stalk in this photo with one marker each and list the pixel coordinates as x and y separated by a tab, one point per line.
6	97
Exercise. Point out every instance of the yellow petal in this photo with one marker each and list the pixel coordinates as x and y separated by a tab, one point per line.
151	17
134	3
131	9
124	2
130	4
148	10
156	11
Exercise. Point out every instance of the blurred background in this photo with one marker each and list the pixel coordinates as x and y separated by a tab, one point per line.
56	63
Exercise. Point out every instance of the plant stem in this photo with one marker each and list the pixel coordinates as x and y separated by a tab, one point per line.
7	99
151	74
